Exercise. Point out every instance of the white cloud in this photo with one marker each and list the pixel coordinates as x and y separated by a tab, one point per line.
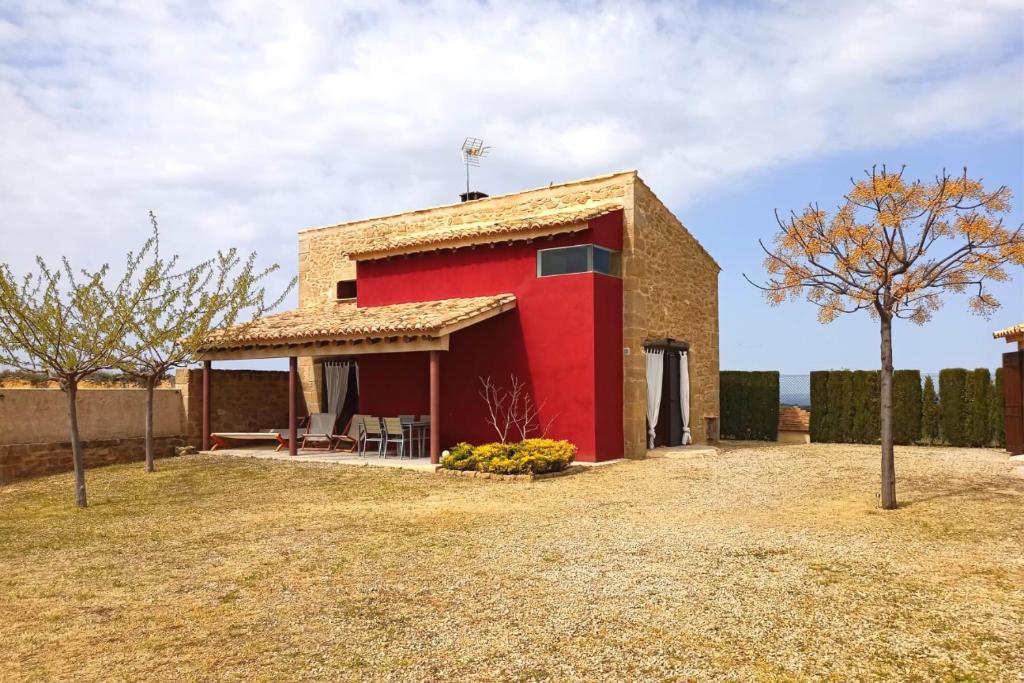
243	123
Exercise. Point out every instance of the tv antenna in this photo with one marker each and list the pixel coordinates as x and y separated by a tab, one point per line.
473	150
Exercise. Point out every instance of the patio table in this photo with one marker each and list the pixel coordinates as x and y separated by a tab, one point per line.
418	432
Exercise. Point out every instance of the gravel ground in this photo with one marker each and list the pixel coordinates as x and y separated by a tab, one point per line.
762	563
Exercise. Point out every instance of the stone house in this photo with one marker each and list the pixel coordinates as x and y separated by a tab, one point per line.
591	293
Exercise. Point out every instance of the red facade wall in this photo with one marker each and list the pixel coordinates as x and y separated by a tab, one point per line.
564	340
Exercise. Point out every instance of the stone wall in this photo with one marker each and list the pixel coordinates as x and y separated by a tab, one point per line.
34	437
241	401
670	285
23	461
41	415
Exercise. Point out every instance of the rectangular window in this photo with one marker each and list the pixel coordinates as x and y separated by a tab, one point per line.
582	258
347	289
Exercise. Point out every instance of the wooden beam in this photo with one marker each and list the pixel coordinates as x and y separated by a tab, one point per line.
335	348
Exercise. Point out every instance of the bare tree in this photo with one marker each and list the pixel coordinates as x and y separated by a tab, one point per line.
513	408
184	310
62	323
880	252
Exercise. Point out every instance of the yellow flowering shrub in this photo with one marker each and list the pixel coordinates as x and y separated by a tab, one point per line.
460	457
532	456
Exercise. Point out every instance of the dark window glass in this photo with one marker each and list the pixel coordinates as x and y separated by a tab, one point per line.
602	261
347	289
564	261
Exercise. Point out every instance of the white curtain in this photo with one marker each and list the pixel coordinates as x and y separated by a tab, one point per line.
655	374
336	376
684	396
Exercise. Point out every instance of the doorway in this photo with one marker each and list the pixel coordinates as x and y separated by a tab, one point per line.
339	384
669	428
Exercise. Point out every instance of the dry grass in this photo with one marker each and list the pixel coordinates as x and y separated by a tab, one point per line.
766	563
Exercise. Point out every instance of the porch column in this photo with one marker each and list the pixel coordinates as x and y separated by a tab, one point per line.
293	417
205	437
435	407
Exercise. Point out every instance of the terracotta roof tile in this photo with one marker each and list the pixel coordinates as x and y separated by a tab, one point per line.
344	320
794	418
380	239
1011	331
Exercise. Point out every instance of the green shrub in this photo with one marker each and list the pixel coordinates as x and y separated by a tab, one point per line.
749	405
840	386
979	418
866	412
996	412
460	457
930	413
953	411
906	406
532	456
821	426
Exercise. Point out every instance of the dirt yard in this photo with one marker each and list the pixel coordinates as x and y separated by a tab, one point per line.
763	563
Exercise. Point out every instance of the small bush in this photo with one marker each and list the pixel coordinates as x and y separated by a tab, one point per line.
460	457
531	456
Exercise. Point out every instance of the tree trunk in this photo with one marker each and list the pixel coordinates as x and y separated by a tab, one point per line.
888	462
150	386
71	389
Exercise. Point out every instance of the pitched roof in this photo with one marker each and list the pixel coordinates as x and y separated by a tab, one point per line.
333	320
552	209
481	232
1012	331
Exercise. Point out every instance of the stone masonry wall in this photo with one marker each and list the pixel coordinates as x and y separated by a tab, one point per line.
322	251
241	401
23	461
671	290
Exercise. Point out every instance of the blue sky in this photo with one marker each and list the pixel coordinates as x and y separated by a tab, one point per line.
241	122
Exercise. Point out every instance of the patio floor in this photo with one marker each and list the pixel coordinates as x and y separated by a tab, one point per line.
422	464
337	457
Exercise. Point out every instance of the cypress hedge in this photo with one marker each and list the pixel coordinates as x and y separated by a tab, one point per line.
906	406
998	425
749	405
979	417
953	409
820	414
866	407
930	413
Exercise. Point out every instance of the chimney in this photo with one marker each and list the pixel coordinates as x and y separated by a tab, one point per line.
470	196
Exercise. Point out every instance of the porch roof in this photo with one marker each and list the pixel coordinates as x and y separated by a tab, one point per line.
340	328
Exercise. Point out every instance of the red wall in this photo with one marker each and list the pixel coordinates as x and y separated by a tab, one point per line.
564	340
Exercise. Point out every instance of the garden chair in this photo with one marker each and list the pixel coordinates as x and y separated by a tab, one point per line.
370	432
348	440
320	430
394	435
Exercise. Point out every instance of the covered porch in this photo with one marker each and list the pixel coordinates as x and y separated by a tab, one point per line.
339	331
